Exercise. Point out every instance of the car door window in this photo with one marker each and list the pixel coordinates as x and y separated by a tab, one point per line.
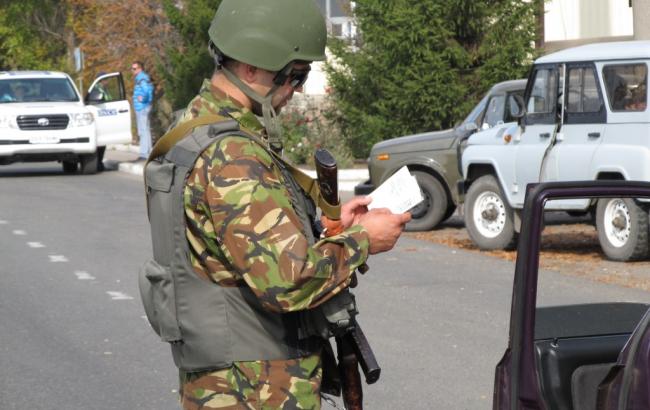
626	86
543	100
495	112
108	90
584	99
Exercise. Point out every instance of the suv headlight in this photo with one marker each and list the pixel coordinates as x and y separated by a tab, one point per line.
7	121
81	119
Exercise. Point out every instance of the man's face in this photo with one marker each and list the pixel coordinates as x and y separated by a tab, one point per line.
135	69
284	93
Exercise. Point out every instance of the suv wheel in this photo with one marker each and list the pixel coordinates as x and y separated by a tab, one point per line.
488	217
432	209
622	227
70	167
89	163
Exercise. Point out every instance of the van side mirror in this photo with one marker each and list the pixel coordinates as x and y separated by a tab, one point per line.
470	126
517	106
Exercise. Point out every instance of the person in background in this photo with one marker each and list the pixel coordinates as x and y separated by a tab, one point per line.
142	100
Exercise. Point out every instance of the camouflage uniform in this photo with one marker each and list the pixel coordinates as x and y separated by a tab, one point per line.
243	231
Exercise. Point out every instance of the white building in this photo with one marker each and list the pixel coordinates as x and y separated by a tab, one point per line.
572	22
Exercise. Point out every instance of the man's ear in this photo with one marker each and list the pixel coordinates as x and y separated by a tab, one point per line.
248	73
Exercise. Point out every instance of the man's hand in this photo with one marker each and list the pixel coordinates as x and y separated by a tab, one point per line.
384	228
352	210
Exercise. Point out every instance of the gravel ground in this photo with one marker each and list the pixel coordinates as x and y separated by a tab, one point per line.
567	247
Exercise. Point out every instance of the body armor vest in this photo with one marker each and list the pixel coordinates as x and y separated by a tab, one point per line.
211	326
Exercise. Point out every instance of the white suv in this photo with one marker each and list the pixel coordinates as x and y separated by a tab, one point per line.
43	118
584	116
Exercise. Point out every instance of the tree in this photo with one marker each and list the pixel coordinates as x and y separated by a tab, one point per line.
188	62
34	35
420	66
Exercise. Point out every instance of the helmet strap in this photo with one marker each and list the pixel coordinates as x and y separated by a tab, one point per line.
270	118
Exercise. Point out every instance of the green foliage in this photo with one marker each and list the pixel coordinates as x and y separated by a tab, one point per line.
306	130
421	66
187	66
27	41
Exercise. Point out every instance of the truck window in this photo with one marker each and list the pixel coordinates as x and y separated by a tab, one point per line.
494	112
542	97
583	92
626	86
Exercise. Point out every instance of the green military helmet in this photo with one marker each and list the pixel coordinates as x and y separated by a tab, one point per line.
269	34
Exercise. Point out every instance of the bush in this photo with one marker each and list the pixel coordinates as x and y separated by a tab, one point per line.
305	129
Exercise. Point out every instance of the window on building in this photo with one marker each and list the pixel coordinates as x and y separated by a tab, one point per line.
582	91
626	86
339	8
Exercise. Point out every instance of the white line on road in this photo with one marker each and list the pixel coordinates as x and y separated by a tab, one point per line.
82	275
19	232
119	295
35	245
57	258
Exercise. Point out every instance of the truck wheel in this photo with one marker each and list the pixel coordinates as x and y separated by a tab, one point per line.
70	167
488	217
431	210
622	227
89	163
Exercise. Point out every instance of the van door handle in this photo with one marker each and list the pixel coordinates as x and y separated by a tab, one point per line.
594	135
545	135
126	110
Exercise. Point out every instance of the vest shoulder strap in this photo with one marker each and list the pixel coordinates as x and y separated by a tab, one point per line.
308	184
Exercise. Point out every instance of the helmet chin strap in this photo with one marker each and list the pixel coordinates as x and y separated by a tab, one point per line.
270	118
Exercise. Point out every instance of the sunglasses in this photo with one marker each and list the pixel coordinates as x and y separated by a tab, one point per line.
296	77
134	68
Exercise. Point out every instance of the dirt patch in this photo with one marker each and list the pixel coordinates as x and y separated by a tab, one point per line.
571	249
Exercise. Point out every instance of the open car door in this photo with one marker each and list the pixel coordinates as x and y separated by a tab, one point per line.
107	100
582	356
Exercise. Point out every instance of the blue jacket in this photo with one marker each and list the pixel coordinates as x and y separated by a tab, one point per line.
143	87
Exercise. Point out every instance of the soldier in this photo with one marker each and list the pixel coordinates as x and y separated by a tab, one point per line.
247	268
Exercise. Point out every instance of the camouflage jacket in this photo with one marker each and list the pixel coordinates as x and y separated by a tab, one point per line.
243	231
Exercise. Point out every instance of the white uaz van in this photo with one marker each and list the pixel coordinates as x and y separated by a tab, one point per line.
584	116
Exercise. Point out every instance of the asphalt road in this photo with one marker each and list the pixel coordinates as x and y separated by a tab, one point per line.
74	334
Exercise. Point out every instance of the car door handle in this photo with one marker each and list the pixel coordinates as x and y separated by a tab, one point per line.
545	135
126	110
594	135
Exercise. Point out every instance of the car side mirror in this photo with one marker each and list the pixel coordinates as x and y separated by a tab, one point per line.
517	106
94	97
470	126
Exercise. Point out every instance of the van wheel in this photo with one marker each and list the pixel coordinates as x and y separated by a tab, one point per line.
622	227
70	167
89	164
488	217
431	210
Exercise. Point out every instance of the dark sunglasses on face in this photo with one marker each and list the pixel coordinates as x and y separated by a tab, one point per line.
297	77
134	68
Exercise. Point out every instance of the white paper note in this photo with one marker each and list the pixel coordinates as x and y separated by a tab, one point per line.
399	193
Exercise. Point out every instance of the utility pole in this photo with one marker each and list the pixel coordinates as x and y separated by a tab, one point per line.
641	12
539	23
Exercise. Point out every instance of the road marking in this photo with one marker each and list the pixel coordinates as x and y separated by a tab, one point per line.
118	295
57	258
19	232
35	245
82	275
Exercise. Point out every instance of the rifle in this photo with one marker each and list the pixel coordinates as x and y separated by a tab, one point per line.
352	346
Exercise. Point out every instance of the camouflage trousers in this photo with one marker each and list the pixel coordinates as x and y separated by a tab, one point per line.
263	385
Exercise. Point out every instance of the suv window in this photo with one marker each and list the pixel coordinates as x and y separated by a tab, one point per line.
582	91
626	86
36	90
107	90
494	112
542	97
